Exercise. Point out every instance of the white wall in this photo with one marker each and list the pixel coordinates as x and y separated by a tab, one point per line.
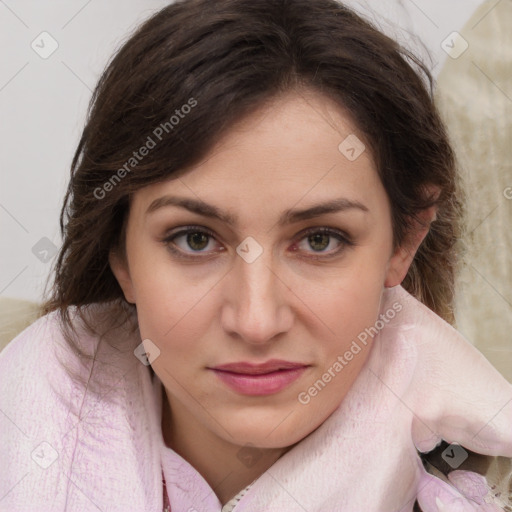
43	102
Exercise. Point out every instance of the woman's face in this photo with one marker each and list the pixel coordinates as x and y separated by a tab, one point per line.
289	248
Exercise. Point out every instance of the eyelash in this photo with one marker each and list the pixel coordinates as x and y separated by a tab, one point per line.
343	238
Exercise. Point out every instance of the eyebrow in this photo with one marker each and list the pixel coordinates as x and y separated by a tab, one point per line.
288	217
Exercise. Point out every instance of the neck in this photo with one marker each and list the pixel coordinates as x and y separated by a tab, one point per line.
227	468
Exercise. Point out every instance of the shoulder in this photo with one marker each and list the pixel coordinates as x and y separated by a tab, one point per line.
49	361
453	388
37	355
90	415
32	418
45	379
36	330
28	355
32	365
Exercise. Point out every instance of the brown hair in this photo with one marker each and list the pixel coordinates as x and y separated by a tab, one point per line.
195	68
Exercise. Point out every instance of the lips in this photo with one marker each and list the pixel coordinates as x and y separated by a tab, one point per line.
259	379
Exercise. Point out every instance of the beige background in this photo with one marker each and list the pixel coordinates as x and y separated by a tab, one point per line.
475	96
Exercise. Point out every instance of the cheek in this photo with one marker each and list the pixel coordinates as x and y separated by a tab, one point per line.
171	306
349	301
176	323
347	312
171	316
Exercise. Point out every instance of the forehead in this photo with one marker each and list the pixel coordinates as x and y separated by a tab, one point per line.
301	147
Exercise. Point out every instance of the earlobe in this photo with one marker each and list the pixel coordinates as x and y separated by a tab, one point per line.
401	260
398	266
119	267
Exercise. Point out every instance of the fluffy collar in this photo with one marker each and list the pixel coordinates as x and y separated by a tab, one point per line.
96	444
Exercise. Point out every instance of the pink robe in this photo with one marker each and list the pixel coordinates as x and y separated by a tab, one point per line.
66	446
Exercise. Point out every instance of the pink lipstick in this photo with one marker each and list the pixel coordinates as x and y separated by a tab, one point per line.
259	379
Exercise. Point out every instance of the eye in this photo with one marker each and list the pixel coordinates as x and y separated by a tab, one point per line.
191	241
325	242
194	242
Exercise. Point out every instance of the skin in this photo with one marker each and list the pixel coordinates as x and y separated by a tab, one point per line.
302	300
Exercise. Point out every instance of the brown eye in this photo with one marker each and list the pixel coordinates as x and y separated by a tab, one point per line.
319	241
323	243
192	242
197	240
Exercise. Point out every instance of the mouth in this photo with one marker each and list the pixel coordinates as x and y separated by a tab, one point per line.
259	379
273	365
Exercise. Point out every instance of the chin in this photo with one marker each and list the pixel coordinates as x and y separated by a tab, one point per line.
265	435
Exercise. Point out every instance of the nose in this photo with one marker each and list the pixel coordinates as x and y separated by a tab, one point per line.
256	307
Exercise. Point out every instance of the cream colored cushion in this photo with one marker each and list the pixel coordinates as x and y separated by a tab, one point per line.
15	315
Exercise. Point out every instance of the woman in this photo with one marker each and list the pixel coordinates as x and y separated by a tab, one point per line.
264	211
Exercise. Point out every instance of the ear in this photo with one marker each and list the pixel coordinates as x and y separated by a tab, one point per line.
403	256
119	267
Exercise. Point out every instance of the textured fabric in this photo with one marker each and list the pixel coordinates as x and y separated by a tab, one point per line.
422	383
65	447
